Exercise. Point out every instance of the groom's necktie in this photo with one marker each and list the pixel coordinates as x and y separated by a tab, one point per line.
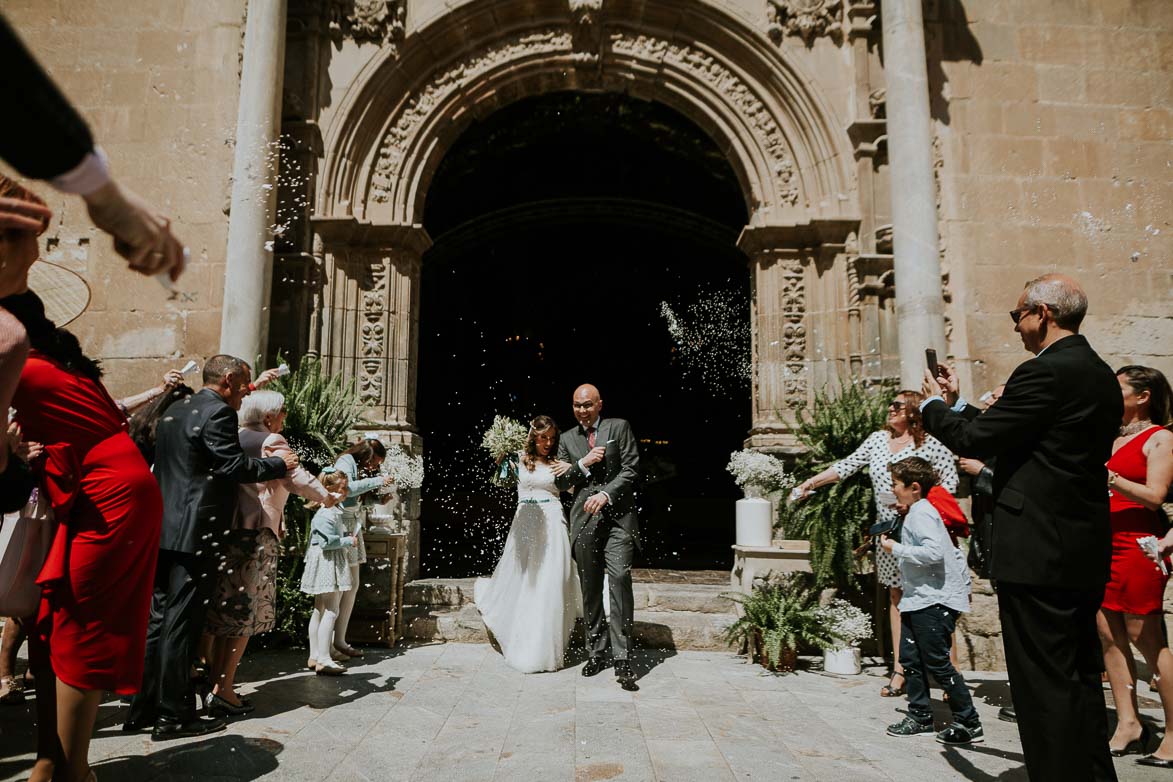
590	437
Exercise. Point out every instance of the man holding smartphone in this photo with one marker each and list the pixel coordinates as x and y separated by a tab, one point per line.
1051	432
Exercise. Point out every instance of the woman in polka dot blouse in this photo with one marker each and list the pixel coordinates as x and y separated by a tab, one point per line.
902	436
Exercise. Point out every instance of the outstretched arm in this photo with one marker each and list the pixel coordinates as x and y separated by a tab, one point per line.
228	458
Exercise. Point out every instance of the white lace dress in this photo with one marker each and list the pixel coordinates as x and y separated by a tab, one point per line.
531	600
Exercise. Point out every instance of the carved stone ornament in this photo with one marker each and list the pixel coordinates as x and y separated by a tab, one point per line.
698	64
794	375
588	29
370	21
374	332
805	18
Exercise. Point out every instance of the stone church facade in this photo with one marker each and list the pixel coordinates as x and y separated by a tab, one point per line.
1050	143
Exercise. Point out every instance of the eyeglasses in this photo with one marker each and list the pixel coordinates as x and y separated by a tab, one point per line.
583	405
1016	314
897	405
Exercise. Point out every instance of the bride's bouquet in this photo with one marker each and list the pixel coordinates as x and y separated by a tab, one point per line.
504	438
402	467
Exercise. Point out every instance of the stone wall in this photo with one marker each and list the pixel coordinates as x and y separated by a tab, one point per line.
1054	126
158	83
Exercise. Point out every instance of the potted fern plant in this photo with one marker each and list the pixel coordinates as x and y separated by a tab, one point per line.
834	519
776	618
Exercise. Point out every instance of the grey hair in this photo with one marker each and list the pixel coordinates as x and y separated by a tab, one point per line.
259	404
1063	297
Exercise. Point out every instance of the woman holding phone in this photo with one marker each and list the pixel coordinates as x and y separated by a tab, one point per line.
902	436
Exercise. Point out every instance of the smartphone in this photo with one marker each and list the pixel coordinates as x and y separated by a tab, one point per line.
931	360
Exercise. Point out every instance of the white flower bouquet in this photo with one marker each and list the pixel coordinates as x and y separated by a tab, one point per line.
847	623
504	438
760	472
404	468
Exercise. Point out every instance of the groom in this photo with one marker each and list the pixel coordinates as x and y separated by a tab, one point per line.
604	527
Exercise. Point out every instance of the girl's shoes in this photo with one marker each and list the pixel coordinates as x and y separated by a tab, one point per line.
340	656
311	664
349	651
329	668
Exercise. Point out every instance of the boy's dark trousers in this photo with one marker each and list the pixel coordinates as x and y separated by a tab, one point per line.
925	638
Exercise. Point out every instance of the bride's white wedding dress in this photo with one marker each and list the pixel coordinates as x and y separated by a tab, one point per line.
531	600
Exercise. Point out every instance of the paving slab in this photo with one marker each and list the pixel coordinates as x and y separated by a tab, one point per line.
458	713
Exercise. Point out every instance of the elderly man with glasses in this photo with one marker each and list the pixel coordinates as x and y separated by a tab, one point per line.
1051	433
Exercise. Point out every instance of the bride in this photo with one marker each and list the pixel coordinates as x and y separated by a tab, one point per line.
530	602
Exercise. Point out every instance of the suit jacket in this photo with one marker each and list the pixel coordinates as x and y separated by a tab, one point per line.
262	505
1051	432
616	474
199	465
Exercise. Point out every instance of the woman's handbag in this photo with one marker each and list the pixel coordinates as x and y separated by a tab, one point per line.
25	538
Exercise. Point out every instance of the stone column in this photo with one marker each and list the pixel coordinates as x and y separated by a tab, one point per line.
920	309
369	332
249	268
778	333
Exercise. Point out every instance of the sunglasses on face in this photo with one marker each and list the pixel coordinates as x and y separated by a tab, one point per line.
897	406
1016	314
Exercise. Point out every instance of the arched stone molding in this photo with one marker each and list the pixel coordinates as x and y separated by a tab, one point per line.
401	113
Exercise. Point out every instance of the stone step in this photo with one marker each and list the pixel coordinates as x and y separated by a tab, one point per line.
697	598
697	630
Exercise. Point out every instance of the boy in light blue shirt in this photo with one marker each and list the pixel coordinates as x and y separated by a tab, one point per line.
936	591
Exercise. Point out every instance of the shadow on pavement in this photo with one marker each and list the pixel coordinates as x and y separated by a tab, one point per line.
220	757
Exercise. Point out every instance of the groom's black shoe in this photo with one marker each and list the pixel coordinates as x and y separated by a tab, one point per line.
625	676
594	665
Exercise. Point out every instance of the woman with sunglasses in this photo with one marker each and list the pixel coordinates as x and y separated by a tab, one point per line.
902	436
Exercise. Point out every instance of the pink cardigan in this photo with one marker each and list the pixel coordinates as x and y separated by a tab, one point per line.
262	505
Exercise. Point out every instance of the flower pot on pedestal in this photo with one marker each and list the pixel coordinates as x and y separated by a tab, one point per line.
755	522
844	661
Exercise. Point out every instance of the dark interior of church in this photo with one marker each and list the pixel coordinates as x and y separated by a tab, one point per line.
563	224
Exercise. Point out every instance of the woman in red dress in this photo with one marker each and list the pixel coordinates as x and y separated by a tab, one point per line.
90	632
1139	474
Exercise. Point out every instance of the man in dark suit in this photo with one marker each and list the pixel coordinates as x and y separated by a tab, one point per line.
199	464
604	527
1051	432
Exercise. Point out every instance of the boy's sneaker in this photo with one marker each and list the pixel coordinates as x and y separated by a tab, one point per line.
910	726
962	733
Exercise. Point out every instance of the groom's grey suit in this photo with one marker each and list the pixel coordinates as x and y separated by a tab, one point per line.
604	542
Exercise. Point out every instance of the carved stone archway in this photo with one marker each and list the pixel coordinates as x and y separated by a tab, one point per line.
411	100
406	107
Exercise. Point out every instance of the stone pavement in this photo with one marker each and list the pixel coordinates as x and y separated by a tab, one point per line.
456	712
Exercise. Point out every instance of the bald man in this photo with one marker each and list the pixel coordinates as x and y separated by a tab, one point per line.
604	527
1051	433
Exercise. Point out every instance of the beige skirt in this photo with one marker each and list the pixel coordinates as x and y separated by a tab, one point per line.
244	601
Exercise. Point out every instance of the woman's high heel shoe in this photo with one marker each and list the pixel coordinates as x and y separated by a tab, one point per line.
1134	747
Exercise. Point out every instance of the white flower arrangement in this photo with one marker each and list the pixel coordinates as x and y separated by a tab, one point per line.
760	471
505	437
404	468
847	623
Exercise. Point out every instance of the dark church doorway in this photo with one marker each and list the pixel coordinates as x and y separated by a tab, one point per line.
563	225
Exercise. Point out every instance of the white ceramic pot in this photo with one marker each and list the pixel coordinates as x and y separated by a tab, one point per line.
845	661
755	522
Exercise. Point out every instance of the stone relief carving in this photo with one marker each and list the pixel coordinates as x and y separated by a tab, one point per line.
805	18
697	63
370	21
588	29
716	75
877	103
374	345
794	378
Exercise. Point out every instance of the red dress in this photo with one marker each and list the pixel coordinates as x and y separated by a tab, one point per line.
1137	585
99	575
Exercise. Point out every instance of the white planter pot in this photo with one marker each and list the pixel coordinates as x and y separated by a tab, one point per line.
755	522
845	661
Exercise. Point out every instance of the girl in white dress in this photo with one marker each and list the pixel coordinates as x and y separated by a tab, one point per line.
327	573
531	601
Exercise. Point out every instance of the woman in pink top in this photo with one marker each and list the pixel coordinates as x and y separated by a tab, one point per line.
244	601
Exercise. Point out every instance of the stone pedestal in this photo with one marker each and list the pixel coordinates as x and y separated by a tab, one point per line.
378	608
750	562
